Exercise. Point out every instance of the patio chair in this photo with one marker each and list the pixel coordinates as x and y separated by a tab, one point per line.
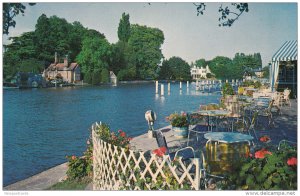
283	143
252	125
285	99
267	112
197	128
185	152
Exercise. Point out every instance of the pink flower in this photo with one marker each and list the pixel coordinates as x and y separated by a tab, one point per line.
88	142
120	131
73	157
292	161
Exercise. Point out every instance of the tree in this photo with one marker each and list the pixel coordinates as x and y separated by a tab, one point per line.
124	28
200	63
96	77
176	69
227	17
104	75
94	55
11	10
266	72
146	44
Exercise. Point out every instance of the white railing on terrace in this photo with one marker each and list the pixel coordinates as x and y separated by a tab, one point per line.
118	168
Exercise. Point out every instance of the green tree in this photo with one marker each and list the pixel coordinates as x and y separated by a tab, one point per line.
96	77
88	78
220	66
266	72
9	12
146	44
94	55
124	28
105	75
200	63
176	69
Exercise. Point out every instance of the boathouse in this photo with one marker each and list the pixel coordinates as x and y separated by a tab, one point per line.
113	78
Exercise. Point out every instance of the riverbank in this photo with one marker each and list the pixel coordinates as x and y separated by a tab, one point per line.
42	180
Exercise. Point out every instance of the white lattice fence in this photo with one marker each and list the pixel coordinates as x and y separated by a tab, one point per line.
119	168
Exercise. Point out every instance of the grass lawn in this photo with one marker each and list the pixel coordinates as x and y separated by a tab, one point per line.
71	185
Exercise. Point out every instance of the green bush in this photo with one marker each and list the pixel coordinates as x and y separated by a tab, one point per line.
77	168
227	89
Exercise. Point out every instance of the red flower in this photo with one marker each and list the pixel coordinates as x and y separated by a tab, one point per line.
122	134
129	139
264	139
73	157
261	153
292	161
160	151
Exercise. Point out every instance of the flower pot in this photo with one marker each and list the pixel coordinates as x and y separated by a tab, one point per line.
180	132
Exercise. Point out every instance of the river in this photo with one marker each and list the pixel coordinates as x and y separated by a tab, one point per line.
42	126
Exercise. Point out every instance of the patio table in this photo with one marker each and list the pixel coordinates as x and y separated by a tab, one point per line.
213	113
224	149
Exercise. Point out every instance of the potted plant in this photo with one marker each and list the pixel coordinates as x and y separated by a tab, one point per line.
180	124
228	96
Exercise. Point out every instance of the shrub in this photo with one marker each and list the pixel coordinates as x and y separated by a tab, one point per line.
227	89
77	167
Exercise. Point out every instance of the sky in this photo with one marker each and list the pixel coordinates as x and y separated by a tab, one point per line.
263	29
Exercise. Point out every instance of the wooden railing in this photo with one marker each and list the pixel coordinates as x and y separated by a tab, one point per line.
118	168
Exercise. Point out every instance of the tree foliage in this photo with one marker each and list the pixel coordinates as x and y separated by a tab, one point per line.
228	17
94	55
226	68
175	69
124	28
146	45
9	12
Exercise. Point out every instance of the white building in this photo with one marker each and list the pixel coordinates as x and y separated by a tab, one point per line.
199	73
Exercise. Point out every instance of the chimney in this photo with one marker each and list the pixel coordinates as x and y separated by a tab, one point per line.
66	61
55	58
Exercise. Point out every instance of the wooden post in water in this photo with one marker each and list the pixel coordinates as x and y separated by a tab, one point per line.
169	87
161	90
156	87
226	81
180	85
187	84
197	85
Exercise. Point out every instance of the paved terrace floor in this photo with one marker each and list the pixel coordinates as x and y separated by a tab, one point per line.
285	128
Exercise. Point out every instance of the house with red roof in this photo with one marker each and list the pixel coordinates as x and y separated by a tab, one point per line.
68	72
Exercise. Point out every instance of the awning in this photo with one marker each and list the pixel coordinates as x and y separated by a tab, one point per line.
287	52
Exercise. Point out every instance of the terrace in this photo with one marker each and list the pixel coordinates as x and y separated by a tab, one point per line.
149	165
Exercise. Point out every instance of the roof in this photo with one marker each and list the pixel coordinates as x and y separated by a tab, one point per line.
287	52
61	66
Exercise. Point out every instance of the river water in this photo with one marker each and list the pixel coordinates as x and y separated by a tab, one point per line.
42	126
